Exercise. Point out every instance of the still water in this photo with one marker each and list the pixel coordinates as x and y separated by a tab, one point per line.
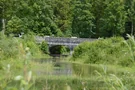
55	66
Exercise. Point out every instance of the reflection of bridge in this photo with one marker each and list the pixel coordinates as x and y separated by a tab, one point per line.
69	42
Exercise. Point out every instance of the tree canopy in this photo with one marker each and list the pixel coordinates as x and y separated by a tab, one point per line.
81	18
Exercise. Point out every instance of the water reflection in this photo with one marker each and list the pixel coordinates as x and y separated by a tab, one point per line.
58	67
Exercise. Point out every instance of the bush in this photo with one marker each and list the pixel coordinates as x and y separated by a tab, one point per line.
44	47
28	40
14	47
103	51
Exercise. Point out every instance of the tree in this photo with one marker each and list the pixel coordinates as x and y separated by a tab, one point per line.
98	7
8	13
35	16
82	20
113	21
5	7
42	21
63	15
130	8
15	26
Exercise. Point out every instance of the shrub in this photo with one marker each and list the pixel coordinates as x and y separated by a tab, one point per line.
44	47
103	51
14	47
28	40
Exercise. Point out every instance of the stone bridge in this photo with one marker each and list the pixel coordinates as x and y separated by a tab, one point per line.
69	42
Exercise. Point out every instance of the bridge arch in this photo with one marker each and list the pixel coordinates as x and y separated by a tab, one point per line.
62	41
59	49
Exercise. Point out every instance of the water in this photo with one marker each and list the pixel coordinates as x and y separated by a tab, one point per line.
54	66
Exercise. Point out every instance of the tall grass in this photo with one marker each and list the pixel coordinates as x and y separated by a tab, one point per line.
14	47
111	80
15	56
130	43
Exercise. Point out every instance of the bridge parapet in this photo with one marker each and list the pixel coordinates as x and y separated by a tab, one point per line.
62	41
66	40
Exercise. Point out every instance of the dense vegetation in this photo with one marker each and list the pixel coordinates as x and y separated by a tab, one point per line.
113	50
87	18
14	48
65	18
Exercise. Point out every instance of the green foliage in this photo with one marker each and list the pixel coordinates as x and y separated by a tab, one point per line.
113	22
130	43
83	20
103	51
63	14
12	47
63	49
59	49
66	17
130	9
28	40
44	48
98	14
8	48
15	26
111	80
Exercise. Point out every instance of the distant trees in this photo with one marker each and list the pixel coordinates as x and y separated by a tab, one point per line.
113	19
81	18
130	9
5	7
63	15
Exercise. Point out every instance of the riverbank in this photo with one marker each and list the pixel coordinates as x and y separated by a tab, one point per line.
95	76
88	76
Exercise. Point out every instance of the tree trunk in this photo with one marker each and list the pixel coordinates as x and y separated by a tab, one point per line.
132	28
3	21
3	25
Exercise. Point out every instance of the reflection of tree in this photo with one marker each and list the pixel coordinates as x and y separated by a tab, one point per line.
82	69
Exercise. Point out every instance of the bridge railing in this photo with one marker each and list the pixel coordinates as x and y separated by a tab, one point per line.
62	40
67	40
